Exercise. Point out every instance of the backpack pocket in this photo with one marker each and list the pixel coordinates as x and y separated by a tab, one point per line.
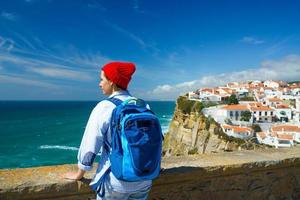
144	137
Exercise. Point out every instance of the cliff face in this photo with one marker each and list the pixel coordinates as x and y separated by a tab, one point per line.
190	132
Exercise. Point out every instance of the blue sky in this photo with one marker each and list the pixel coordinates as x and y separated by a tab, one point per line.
54	49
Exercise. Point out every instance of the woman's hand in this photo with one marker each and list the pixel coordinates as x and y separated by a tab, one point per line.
74	175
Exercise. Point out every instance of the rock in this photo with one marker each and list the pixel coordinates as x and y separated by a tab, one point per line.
193	132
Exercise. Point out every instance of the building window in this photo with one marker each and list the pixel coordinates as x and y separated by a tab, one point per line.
259	113
266	113
254	112
236	113
266	119
231	113
271	113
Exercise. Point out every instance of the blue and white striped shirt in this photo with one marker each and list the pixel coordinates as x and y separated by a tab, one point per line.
97	129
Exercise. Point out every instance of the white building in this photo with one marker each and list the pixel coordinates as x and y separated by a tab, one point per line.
298	104
210	97
261	113
295	91
234	112
273	101
288	129
256	84
237	131
213	94
297	116
270	92
283	113
193	95
275	139
233	85
274	84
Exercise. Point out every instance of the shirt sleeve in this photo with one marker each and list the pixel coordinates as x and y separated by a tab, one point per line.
93	137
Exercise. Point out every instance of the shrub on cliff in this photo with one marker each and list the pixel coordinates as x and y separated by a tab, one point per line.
256	128
187	106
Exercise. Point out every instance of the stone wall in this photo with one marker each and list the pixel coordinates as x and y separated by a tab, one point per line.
271	174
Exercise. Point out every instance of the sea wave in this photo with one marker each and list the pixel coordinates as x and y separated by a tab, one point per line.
58	147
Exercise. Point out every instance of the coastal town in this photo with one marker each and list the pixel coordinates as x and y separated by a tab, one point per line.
267	112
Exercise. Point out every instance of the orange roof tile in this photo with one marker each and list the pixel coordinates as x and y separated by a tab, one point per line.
263	108
235	107
238	128
230	91
282	106
285	136
274	100
268	88
255	106
286	128
206	90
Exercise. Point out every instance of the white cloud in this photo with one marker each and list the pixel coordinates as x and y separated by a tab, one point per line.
162	88
32	56
9	16
251	40
61	73
26	81
6	44
287	69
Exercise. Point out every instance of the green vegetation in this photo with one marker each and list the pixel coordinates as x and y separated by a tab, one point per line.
282	112
193	151
221	135
293	82
208	121
245	116
232	100
187	106
256	128
290	102
247	99
209	104
228	121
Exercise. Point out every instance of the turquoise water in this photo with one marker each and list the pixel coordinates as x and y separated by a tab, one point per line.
38	133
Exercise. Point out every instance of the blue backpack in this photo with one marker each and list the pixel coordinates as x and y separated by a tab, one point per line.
135	150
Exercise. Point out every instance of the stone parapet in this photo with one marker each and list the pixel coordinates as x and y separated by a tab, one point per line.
269	174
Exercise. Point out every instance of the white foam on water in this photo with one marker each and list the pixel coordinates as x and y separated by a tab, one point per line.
58	147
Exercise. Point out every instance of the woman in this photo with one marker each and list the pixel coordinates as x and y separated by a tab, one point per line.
115	77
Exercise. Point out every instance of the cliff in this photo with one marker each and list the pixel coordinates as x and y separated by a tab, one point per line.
190	132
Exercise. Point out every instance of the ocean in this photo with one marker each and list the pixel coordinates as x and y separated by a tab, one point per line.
40	133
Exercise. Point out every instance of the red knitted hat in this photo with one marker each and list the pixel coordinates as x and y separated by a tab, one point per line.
119	72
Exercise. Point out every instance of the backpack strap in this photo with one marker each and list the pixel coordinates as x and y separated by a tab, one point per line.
116	102
100	188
